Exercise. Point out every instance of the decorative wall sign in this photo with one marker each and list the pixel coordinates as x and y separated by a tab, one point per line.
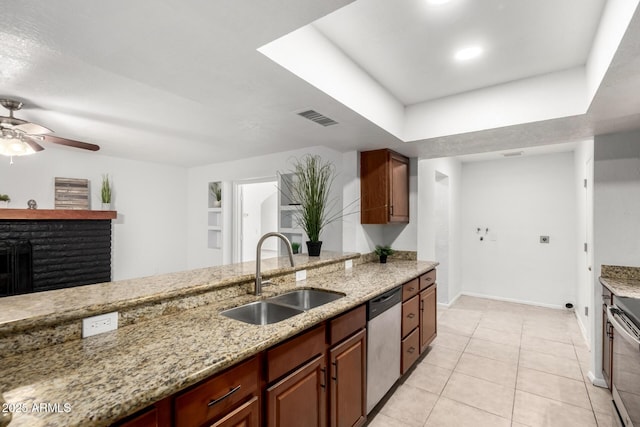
71	193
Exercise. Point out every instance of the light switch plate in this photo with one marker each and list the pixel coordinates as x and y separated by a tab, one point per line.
99	324
348	264
301	275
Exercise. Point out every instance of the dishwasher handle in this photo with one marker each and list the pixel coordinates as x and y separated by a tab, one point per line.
383	302
625	327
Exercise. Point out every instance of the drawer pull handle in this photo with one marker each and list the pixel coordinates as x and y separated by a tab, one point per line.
411	289
411	315
411	350
429	279
220	399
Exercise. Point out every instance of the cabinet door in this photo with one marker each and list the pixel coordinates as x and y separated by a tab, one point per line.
410	315
300	399
348	367
428	316
247	415
399	188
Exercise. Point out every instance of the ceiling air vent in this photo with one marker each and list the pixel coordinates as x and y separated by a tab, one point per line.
314	116
513	154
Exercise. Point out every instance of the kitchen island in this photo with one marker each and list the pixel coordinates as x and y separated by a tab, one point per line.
101	379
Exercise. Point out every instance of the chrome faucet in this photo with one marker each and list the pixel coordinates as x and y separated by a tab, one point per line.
259	283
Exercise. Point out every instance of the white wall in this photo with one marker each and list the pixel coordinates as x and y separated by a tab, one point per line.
149	236
251	168
583	167
616	199
520	199
427	225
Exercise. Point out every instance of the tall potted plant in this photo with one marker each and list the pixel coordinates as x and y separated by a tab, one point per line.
105	193
310	189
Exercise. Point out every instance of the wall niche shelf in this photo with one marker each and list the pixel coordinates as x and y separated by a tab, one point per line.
286	216
214	215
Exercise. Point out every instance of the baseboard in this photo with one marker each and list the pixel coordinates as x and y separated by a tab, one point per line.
598	382
583	330
445	305
514	300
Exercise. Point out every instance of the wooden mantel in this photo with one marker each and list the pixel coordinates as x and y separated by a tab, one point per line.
56	214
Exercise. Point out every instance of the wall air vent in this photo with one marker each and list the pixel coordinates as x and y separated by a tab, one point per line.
314	116
513	154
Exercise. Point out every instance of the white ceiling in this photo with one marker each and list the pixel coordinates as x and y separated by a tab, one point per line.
409	49
181	81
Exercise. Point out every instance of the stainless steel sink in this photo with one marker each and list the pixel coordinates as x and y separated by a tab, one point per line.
306	299
261	313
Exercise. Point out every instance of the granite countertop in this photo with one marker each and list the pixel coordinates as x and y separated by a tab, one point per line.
622	281
52	307
106	377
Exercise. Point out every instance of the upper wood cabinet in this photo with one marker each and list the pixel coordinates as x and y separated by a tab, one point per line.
384	187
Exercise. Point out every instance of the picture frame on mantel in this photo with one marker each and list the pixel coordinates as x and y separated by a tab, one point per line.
71	193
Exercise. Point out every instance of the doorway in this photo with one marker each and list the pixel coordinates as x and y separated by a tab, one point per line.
256	213
442	235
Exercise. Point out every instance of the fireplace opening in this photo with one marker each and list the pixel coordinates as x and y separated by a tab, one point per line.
16	267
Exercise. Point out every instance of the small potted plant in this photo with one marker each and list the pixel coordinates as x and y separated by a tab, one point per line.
6	199
295	246
383	252
216	191
105	193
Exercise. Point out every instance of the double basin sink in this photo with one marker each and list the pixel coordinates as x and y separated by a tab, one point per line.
281	307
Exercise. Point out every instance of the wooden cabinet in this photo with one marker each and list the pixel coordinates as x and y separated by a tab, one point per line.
297	377
384	187
428	309
428	316
157	415
348	370
299	399
219	397
607	338
410	348
246	415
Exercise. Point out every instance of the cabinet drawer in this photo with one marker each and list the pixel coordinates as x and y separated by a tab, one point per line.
347	324
410	350
410	289
427	279
293	353
218	395
410	315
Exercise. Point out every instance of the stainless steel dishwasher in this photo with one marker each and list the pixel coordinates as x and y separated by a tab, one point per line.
384	316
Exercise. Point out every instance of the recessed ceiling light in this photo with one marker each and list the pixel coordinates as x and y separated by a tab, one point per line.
437	2
468	53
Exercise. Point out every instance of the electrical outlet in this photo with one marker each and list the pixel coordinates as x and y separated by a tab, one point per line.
99	324
544	239
301	275
348	264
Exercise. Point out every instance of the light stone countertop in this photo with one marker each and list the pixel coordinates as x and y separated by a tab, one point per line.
106	377
622	281
52	307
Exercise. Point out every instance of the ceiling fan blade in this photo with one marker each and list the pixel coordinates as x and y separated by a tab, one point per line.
31	143
70	143
32	129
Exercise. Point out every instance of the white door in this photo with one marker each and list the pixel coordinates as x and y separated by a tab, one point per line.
257	214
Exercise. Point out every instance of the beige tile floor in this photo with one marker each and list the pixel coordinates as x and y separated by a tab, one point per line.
499	364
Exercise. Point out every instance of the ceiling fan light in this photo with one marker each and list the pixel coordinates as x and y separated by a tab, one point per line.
14	147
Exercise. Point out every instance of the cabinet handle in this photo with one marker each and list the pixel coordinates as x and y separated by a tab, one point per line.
391	210
421	305
411	289
220	399
411	315
411	350
335	366
323	379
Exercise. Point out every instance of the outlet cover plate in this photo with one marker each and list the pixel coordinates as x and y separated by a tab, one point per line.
348	264
99	324
301	275
544	239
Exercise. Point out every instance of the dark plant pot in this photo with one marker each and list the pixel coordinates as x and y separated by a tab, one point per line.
313	248
383	259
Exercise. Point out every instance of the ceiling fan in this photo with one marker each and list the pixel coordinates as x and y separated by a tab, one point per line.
19	137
